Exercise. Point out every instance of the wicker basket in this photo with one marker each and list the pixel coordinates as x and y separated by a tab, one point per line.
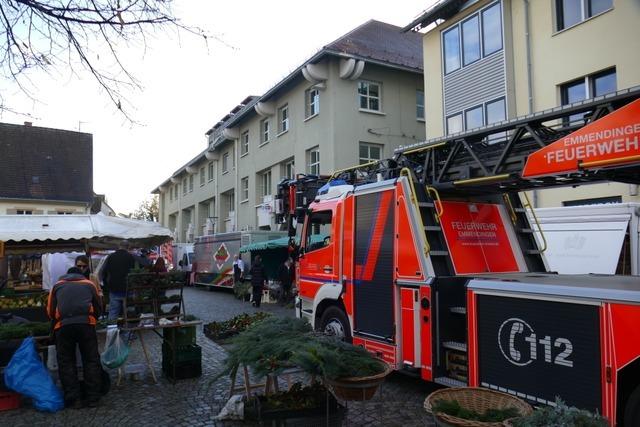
358	388
475	399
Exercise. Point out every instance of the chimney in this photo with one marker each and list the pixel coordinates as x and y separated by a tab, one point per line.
28	123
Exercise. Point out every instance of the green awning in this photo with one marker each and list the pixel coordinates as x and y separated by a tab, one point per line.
280	243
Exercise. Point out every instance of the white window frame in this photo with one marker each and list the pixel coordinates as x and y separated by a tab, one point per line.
283	122
265	179
225	163
479	14
210	172
312	103
244	189
191	183
244	143
368	96
185	186
482	106
369	145
202	176
315	164
265	133
289	164
24	211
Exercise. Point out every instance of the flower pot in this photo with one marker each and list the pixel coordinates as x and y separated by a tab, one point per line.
358	388
475	399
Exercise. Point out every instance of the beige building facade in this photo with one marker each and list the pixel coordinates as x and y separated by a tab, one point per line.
340	108
490	60
41	207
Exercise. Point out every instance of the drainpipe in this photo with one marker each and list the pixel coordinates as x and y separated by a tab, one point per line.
527	38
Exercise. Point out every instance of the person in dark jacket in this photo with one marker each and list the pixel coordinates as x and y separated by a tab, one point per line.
286	275
258	280
74	305
114	276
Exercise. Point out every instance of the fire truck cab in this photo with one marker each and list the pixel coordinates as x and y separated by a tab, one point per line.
430	262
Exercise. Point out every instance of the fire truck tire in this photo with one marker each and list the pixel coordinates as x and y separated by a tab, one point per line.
334	321
632	409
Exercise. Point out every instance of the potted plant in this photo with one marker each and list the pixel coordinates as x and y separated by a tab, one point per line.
474	407
217	331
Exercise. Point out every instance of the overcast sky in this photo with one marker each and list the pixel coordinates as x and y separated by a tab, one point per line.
189	87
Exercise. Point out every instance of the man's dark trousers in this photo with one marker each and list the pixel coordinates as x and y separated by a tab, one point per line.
85	337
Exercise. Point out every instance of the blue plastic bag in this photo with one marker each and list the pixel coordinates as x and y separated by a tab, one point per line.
27	375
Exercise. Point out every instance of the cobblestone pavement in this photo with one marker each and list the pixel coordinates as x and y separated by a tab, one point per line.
195	402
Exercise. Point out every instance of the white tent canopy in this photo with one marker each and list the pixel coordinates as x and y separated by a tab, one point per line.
60	233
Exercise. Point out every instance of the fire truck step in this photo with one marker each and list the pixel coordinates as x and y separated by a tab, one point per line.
449	382
454	345
432	228
458	310
439	253
532	251
525	230
426	204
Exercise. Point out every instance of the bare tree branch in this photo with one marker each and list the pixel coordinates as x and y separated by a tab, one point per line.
57	34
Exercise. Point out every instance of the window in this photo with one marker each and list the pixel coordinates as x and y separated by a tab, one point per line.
225	162
491	29
24	212
288	170
370	152
184	186
369	94
476	37
64	213
265	184
231	202
264	131
313	161
312	103
419	105
454	123
587	87
244	143
318	232
190	183
210	171
572	12
471	40
481	115
495	111
451	43
473	118
171	193
283	119
244	189
202	177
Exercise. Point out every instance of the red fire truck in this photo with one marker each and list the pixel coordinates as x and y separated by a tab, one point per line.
429	260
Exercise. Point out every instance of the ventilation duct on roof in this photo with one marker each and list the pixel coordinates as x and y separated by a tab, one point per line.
192	170
231	133
210	155
315	73
175	180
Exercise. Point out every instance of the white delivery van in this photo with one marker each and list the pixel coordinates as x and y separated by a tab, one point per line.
182	252
601	239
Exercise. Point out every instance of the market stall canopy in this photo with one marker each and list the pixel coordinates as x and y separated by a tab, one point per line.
63	233
280	243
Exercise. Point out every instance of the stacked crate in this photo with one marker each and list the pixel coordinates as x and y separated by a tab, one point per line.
185	360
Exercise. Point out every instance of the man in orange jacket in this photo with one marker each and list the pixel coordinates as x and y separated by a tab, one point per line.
74	305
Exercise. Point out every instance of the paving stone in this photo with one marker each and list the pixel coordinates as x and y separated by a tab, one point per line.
195	402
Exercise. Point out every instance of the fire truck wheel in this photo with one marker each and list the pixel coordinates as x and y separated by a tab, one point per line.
632	409
335	322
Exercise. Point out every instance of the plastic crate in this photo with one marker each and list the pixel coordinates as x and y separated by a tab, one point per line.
9	400
183	370
185	335
184	353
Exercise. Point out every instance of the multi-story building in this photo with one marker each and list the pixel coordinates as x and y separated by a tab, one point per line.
489	60
45	171
354	101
